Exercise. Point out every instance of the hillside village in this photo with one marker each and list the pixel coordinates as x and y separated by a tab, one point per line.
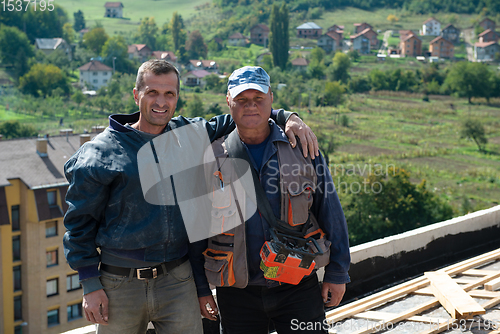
365	40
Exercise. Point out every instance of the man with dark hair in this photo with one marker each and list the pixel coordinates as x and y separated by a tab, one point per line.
130	254
293	223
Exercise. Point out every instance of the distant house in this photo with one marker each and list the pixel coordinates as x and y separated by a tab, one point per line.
487	23
359	27
207	65
360	43
139	51
336	28
166	55
431	27
83	32
49	45
309	30
441	48
451	33
113	9
410	45
331	41
486	51
488	36
372	36
195	78
95	74
237	39
300	64
259	34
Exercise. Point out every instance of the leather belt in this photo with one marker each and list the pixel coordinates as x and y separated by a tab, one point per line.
144	273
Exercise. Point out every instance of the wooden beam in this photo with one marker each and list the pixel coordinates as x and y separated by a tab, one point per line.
492	285
453	298
479	272
473	293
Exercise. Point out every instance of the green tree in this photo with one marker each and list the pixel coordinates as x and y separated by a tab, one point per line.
95	39
69	34
279	43
78	97
43	23
195	46
177	26
379	205
339	68
14	129
317	55
473	129
116	47
15	49
147	32
468	79
42	79
334	93
79	21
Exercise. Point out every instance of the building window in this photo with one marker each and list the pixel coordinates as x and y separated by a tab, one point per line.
15	218
74	311
52	287
104	73
72	282
17	278
94	81
52	258
52	197
51	229
94	73
53	317
16	248
18	330
18	307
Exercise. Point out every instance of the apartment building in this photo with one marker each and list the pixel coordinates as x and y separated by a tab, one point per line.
39	292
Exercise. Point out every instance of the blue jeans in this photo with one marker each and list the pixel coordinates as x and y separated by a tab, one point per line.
169	301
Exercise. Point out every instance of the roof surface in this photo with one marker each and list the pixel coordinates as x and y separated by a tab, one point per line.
439	38
164	55
48	43
204	63
237	35
309	25
113	4
431	19
261	26
95	65
20	160
484	44
487	31
199	73
299	62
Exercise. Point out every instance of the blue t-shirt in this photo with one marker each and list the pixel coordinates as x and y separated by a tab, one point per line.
257	151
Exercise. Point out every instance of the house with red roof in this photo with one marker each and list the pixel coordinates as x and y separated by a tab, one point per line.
113	9
95	74
441	48
486	51
195	78
139	51
410	45
331	41
488	23
359	27
431	27
488	36
237	39
259	34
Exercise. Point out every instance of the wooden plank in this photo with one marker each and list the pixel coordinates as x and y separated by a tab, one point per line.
473	293
441	327
492	302
492	285
479	272
453	298
413	286
463	280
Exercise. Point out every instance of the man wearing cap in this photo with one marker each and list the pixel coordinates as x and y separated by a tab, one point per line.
303	201
131	253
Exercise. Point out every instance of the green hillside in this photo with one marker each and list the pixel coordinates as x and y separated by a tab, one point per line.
133	11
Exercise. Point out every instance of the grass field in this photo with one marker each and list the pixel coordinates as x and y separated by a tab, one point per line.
133	11
423	138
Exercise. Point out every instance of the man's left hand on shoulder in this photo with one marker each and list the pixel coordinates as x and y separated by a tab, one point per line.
296	127
337	292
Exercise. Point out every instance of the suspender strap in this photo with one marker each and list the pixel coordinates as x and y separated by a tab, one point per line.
236	150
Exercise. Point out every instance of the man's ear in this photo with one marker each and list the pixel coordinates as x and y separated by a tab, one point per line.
136	96
272	97
227	99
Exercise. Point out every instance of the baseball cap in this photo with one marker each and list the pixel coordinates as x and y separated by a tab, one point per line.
248	77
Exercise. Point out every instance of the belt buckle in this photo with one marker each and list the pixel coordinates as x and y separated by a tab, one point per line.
140	270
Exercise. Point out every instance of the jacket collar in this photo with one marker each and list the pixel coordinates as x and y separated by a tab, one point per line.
117	121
